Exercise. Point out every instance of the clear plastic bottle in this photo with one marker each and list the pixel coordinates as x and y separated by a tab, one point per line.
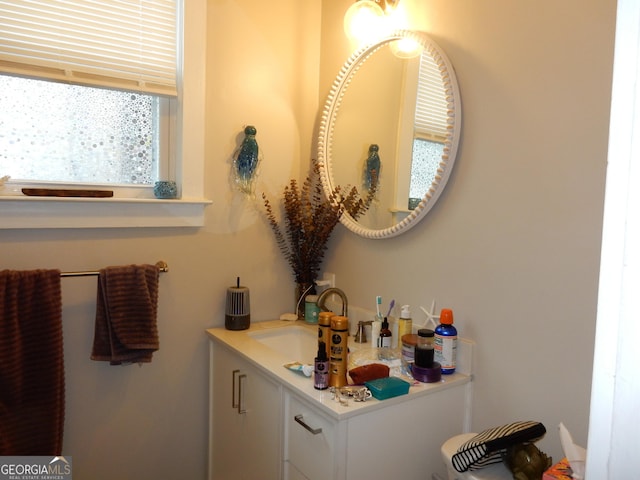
405	324
446	342
376	326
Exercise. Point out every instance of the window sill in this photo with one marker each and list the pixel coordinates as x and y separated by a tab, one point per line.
75	212
126	210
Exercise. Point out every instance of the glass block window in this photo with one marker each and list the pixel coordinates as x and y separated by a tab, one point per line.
65	133
83	84
427	155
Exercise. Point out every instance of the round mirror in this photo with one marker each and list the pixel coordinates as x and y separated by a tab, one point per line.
392	123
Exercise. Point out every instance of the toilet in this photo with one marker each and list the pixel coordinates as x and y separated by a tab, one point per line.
498	471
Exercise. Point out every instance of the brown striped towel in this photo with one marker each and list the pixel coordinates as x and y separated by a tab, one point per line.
127	305
31	363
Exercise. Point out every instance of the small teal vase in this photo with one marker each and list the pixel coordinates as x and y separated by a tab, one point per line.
165	189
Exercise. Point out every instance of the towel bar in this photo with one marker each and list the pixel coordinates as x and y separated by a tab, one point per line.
162	266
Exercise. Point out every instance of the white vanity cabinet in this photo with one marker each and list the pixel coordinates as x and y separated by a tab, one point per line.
291	431
245	441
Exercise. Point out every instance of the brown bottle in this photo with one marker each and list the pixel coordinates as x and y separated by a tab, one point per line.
385	335
338	351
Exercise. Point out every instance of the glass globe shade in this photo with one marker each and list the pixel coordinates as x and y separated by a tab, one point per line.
406	48
363	21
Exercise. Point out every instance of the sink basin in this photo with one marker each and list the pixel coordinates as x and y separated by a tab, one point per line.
297	343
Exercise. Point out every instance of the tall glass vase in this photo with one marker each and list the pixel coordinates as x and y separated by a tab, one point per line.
302	290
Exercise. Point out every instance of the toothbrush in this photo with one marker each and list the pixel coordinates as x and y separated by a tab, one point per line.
391	305
378	303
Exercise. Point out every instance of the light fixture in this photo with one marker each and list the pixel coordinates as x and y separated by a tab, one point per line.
406	48
388	6
365	20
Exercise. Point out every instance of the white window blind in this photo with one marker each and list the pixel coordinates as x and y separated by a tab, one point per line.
431	102
124	44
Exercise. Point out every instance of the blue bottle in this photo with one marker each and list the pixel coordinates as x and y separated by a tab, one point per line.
446	342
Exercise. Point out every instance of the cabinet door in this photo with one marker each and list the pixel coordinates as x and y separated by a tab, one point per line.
403	440
310	439
245	420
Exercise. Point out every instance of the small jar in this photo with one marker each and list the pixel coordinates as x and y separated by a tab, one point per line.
409	342
424	348
311	309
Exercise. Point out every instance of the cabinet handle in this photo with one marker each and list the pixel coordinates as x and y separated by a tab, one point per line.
241	408
315	431
234	404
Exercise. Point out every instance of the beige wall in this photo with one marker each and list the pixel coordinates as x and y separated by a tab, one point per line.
150	422
512	246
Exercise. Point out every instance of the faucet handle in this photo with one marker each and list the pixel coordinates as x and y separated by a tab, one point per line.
361	336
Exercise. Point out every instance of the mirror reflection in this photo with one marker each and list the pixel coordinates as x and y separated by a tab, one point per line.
394	117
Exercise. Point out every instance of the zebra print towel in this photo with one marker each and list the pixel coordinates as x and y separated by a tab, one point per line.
489	445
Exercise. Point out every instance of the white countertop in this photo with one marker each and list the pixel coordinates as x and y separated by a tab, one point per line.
272	364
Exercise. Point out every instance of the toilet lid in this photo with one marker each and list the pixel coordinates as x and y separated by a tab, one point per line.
450	447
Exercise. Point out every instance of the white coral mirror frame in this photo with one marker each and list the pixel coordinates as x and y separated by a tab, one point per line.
333	135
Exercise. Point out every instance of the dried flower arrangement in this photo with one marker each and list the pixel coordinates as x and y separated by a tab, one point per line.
309	219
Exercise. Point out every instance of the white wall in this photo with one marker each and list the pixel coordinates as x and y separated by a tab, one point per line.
615	393
150	422
513	244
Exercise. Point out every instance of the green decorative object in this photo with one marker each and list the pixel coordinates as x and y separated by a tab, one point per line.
246	160
372	168
526	461
165	189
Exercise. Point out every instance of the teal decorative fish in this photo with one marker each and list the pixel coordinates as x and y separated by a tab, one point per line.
246	160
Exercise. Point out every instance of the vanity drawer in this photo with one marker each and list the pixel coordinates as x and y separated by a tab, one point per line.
309	440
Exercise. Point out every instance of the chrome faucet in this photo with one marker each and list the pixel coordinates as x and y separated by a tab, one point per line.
361	336
337	291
